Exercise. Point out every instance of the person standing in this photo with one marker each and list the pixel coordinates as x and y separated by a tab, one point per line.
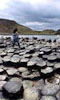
15	37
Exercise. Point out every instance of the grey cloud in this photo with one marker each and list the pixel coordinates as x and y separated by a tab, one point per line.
24	12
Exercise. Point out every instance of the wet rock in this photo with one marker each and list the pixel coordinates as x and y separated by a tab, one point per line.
2	45
52	80
7	68
1	70
25	74
57	66
2	84
20	99
41	53
50	89
24	60
10	54
10	50
2	66
52	58
39	84
45	57
58	56
34	75
47	70
47	50
27	84
35	59
58	95
6	59
16	79
50	64
22	69
3	77
27	55
1	61
48	98
11	71
31	94
31	63
35	54
3	54
13	89
17	52
15	59
41	64
57	75
2	96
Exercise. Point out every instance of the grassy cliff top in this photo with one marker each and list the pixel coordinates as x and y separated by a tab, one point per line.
7	27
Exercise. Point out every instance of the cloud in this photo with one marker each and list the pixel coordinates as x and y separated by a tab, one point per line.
36	14
3	4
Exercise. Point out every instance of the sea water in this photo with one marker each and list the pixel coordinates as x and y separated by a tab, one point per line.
52	37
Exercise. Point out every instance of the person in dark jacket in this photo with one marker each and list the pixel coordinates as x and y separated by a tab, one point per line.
15	37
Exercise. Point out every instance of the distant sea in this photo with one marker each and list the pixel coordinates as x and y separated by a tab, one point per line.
52	37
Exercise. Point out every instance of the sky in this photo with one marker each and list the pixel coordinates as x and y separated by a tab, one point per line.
35	14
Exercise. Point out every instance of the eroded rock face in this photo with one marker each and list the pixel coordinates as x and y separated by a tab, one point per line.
31	94
13	88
